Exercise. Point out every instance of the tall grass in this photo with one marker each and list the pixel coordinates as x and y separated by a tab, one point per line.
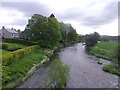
104	49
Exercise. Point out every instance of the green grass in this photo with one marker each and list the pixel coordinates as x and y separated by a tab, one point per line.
3	52
11	45
104	49
111	69
109	46
19	69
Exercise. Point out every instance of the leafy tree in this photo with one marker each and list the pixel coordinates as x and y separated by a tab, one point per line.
92	39
58	74
54	31
45	31
64	31
36	28
68	33
72	36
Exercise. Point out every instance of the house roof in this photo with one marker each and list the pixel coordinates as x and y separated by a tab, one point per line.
11	30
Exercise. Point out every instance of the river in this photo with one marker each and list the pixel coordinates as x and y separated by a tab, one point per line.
84	71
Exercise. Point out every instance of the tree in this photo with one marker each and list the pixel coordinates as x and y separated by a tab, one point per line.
69	34
54	31
92	39
58	74
36	28
45	31
72	36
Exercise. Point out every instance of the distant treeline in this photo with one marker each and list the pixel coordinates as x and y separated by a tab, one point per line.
102	38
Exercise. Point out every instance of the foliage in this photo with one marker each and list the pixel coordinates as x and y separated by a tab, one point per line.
100	63
15	72
48	32
111	69
14	45
116	55
72	36
54	31
10	57
3	52
20	41
5	74
13	49
58	74
69	34
4	46
45	31
103	39
92	39
104	49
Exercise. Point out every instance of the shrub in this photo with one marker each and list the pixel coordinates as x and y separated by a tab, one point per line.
100	63
111	69
5	74
13	49
16	55
4	46
58	74
21	41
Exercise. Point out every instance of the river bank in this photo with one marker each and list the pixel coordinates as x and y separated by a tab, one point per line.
84	71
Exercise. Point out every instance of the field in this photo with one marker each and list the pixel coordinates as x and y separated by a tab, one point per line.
104	49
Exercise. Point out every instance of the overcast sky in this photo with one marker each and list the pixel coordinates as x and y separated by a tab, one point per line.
86	16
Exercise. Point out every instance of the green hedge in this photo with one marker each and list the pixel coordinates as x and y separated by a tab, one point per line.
4	46
20	41
16	55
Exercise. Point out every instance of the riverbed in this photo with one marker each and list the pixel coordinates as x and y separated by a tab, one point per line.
84	71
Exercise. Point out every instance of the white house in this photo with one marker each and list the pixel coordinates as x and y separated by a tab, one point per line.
9	33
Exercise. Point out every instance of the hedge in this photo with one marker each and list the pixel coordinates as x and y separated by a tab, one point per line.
4	46
21	41
9	58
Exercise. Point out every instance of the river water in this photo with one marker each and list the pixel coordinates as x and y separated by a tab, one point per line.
84	71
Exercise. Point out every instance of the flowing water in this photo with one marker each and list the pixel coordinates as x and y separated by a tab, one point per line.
84	71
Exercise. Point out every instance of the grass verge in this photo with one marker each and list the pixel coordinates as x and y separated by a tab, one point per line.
20	70
111	69
104	49
11	45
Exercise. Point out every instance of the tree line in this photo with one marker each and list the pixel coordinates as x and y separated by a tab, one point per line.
48	31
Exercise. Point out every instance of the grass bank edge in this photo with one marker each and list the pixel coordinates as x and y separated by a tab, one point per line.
33	69
28	75
111	69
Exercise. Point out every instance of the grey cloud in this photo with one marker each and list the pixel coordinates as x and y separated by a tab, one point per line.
108	14
28	8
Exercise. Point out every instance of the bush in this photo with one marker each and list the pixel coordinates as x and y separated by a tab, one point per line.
20	41
58	74
13	49
4	46
16	55
111	69
5	74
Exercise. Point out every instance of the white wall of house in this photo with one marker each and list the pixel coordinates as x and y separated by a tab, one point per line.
7	34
